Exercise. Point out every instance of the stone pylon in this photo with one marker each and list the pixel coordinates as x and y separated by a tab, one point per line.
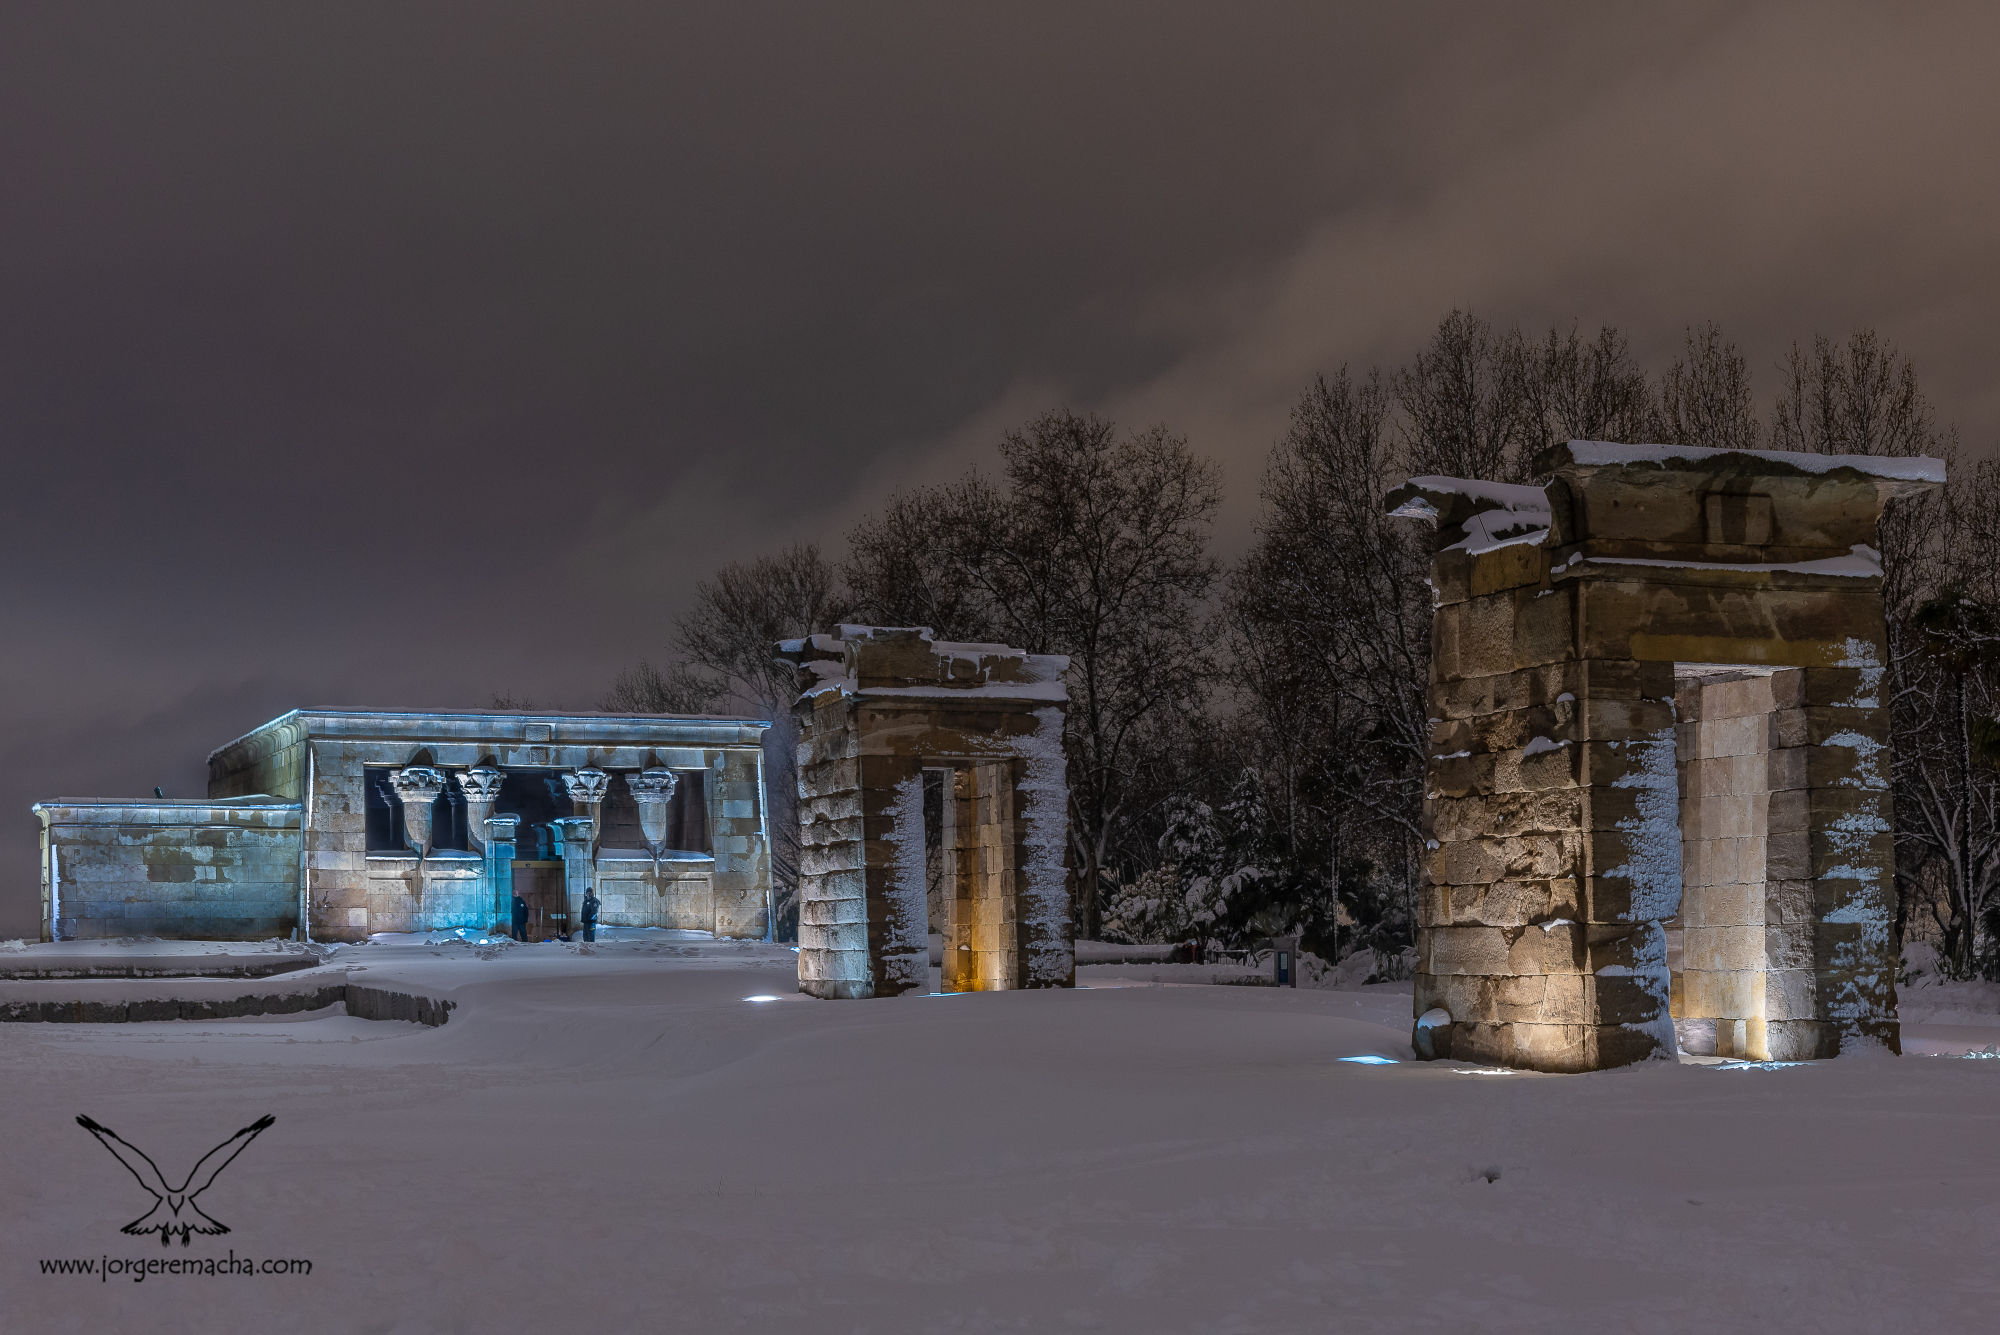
1568	799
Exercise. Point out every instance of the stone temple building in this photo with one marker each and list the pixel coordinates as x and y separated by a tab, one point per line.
932	803
1658	787
358	821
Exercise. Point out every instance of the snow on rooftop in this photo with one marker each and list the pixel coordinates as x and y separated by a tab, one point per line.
1604	453
1521	497
855	631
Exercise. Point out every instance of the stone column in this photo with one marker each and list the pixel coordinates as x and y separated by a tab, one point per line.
1631	887
957	831
417	787
742	851
587	788
499	845
1841	744
576	832
481	786
653	790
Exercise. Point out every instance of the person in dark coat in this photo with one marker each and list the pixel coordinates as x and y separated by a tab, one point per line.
590	906
520	918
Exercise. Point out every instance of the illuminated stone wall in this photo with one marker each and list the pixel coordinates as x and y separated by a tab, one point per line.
194	869
678	893
980	930
879	707
226	871
1744	977
1554	788
354	891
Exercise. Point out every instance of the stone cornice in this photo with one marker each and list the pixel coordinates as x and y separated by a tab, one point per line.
264	812
518	728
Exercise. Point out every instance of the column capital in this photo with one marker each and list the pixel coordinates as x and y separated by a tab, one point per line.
587	785
653	782
652	790
481	783
418	783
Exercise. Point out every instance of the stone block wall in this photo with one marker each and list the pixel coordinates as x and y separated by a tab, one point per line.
221	871
680	894
835	959
741	865
1555	861
437	893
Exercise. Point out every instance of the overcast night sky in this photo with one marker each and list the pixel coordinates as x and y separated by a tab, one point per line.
399	355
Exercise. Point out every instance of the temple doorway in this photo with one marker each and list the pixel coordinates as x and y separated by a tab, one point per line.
1740	952
539	883
977	838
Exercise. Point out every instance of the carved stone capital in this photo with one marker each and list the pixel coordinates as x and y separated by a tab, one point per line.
646	782
481	784
652	790
417	787
417	783
587	785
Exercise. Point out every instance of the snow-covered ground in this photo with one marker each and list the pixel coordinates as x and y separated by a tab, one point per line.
616	1139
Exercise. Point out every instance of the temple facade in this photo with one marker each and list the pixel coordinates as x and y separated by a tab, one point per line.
349	822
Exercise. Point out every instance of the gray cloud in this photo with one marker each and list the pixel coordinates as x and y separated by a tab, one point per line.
389	354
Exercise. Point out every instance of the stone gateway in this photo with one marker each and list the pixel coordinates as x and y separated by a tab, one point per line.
889	717
1658	789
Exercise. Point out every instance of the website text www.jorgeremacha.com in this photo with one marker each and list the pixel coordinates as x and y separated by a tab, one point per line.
138	1268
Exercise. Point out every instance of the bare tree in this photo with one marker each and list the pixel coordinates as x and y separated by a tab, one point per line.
1863	397
646	689
1091	544
1705	397
907	565
1860	397
738	617
725	644
1948	795
1573	390
1464	412
1099	550
1334	604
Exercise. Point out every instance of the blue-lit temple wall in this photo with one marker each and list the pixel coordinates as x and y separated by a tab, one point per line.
325	761
225	871
302	812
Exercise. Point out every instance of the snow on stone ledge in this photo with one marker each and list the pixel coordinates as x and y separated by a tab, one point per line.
1604	453
1863	562
1491	514
1518	497
906	662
